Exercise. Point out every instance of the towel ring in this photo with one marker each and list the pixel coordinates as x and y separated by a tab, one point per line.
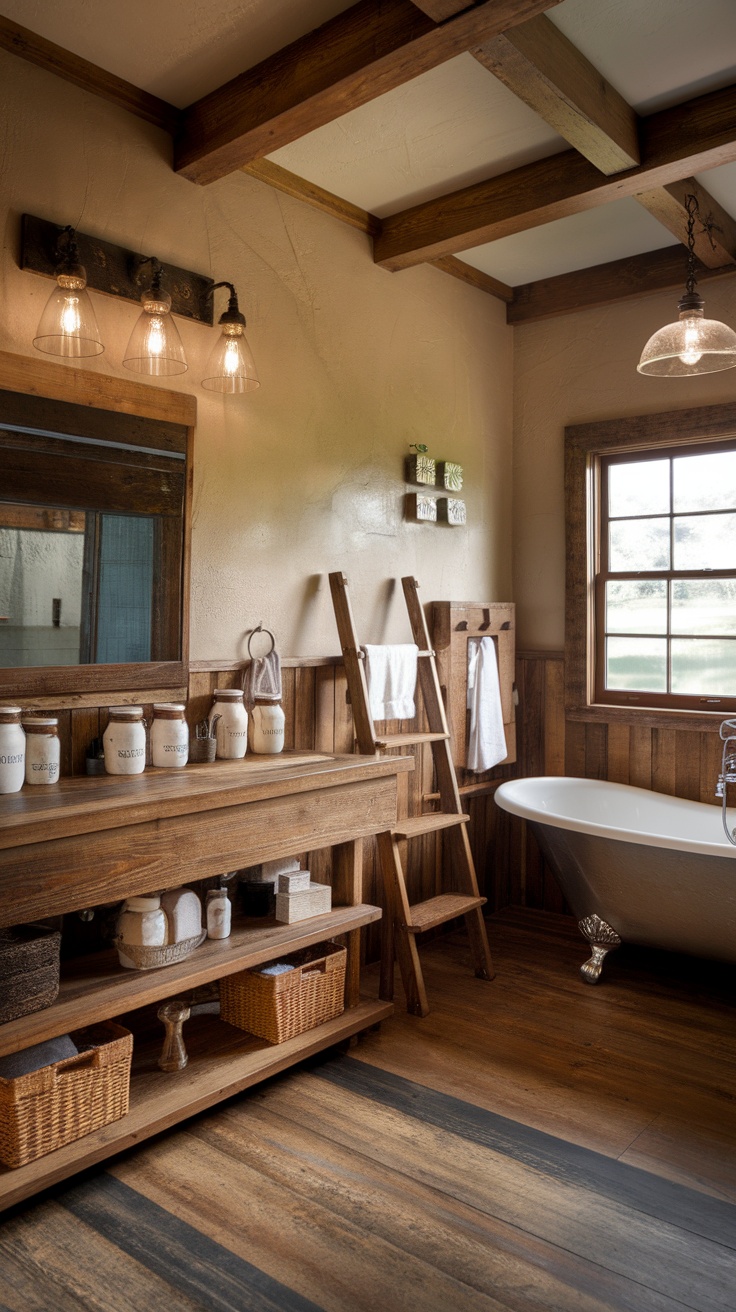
253	633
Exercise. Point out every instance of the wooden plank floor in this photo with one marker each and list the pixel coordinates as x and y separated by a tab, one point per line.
533	1144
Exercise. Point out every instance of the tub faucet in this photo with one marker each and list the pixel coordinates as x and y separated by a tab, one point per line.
728	771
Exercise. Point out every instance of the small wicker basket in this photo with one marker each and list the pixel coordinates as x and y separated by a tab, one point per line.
151	958
48	1108
29	970
277	1007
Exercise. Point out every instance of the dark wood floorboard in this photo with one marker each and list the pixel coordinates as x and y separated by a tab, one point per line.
533	1144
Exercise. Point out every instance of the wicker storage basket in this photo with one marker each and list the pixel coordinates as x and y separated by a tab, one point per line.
29	970
54	1106
277	1007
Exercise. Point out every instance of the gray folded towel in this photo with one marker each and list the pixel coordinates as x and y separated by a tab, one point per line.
41	1054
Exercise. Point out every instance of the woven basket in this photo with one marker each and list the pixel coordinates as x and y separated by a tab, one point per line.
54	1106
151	958
277	1007
29	970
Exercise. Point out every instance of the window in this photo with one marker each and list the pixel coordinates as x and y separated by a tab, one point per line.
651	606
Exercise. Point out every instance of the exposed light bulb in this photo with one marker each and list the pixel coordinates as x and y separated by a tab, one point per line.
691	353
232	358
155	342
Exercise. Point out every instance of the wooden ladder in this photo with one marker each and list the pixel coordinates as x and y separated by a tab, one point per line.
404	921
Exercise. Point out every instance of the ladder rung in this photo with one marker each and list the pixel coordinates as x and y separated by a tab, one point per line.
428	824
438	910
406	739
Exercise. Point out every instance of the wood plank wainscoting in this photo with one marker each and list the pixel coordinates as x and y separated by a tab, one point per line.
511	869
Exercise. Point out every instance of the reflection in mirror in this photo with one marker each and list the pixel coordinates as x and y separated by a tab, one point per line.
76	588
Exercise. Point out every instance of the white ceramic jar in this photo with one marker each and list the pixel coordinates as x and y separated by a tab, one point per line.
124	741
43	750
266	727
169	735
12	750
141	923
219	913
231	729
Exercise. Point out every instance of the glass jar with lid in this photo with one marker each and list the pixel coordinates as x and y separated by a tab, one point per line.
124	740
12	750
231	729
43	749
169	735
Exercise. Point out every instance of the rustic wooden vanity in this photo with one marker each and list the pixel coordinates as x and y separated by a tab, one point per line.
90	841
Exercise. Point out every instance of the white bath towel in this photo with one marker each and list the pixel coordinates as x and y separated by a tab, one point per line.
487	740
391	673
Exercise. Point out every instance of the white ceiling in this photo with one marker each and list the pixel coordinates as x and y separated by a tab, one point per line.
453	126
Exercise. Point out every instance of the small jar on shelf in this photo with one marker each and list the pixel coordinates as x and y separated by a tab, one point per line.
231	729
169	735
43	749
124	741
266	727
12	750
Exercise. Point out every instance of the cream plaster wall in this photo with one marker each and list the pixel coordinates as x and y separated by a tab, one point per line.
306	475
576	369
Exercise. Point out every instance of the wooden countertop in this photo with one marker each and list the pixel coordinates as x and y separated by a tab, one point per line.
87	804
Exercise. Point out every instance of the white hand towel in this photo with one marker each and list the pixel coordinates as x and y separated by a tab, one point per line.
487	740
391	673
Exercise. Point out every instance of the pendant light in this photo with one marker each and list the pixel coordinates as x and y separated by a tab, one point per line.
231	367
68	326
155	347
692	345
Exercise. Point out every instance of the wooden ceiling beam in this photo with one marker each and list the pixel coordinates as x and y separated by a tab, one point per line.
654	271
55	59
264	170
370	49
675	143
545	70
669	205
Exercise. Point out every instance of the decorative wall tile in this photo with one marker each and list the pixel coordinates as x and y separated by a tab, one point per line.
451	511
421	508
421	469
450	475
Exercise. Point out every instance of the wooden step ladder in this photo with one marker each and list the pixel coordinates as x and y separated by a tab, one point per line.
403	920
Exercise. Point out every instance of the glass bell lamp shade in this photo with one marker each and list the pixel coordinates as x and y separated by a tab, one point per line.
231	367
155	347
692	345
68	326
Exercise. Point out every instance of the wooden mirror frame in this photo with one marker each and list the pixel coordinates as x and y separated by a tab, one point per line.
97	685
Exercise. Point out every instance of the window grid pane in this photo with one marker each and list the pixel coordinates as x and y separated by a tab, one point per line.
644	534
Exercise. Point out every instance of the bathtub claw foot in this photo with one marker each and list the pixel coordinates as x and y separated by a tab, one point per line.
602	939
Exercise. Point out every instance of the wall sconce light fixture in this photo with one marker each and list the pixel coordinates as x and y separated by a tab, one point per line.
231	367
155	347
68	326
692	345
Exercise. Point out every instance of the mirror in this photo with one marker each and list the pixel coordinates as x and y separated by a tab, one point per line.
93	541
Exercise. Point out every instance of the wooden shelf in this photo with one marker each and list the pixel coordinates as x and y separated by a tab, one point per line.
97	988
222	1061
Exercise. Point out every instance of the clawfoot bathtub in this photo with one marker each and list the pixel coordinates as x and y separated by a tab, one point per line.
635	866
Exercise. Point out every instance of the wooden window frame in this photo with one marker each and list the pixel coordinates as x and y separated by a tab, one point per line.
585	444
